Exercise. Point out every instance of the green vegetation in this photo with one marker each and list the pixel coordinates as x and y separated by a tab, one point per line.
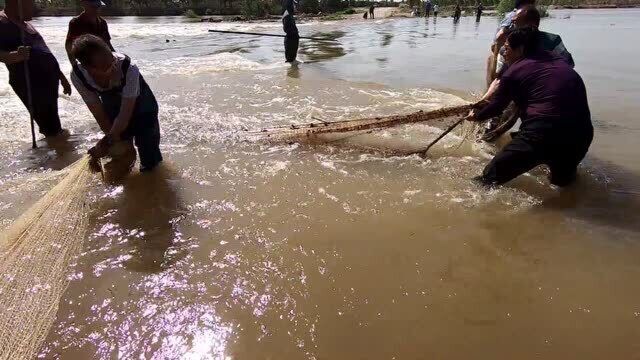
191	14
504	6
544	11
261	8
252	9
310	6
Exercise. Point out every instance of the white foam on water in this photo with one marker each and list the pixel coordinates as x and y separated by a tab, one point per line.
188	66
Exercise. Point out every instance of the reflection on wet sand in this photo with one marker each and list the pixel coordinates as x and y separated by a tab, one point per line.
55	154
610	200
315	50
150	207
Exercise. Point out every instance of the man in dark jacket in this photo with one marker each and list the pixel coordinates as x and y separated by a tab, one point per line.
88	22
556	123
292	37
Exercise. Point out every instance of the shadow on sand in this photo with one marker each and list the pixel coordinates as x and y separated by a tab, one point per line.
152	205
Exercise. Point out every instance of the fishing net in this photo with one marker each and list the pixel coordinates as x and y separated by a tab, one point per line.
35	253
315	131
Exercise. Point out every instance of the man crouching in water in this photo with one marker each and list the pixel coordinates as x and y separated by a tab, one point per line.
119	99
556	125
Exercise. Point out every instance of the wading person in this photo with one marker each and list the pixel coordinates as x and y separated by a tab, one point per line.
88	22
479	9
427	8
43	68
526	17
436	9
371	11
292	37
457	13
119	98
556	123
495	59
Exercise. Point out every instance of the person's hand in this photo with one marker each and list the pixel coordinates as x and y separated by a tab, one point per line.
471	116
94	165
22	54
66	87
101	149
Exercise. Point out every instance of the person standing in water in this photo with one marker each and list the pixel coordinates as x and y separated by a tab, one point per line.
119	99
436	9
457	13
88	22
371	11
479	9
20	42
526	17
495	61
427	8
292	37
556	125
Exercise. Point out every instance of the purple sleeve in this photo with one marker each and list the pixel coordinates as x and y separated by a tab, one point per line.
500	99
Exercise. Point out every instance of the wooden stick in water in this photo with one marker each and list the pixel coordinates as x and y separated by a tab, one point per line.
27	78
263	34
423	152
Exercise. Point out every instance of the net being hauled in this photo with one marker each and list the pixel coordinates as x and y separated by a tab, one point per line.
314	131
35	253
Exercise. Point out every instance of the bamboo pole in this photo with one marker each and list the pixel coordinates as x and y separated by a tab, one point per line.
27	76
264	34
423	152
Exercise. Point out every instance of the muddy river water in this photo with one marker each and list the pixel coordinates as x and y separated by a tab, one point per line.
249	250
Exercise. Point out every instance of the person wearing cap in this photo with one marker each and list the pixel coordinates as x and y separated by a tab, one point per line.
20	42
88	22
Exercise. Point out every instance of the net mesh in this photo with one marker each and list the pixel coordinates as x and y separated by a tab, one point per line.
315	131
35	253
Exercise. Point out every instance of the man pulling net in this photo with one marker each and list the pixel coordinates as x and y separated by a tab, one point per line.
556	123
120	100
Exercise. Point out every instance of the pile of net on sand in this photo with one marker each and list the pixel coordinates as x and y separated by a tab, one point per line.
35	253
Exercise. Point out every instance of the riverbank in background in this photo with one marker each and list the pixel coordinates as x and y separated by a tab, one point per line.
256	250
233	10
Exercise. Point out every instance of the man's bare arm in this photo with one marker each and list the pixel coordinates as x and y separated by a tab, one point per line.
101	116
124	118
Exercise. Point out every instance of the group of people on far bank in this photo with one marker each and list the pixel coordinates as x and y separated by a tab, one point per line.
530	77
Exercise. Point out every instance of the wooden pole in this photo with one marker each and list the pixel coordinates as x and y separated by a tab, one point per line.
423	152
263	34
27	77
